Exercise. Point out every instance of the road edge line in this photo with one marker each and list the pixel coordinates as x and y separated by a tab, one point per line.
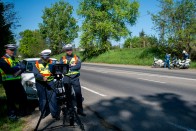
93	91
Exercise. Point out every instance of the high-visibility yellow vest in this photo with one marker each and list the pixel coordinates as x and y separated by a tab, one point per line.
44	71
74	60
7	77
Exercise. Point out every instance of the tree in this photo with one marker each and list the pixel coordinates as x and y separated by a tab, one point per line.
134	42
8	21
105	20
152	41
31	43
176	24
127	43
143	38
58	25
138	42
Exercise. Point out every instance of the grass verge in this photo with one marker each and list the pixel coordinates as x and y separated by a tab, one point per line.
135	56
5	123
193	65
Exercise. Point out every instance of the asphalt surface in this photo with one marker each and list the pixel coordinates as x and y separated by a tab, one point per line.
131	98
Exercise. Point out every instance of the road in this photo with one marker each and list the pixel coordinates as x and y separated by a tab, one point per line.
131	98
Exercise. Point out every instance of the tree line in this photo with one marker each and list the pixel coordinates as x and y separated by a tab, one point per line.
108	20
176	25
8	21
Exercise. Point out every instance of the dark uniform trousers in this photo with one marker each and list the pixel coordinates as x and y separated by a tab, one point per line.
75	82
15	94
46	91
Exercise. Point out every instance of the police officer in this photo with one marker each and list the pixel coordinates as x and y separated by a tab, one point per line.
45	85
185	55
14	90
167	61
73	74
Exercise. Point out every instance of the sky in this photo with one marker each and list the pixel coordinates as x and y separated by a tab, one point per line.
30	12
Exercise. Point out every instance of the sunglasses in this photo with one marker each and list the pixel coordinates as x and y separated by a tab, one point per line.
12	49
68	50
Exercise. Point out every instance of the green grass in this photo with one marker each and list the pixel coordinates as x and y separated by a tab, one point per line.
193	65
5	123
135	56
2	92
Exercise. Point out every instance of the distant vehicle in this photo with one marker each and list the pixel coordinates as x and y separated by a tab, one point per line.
158	63
183	64
28	78
175	63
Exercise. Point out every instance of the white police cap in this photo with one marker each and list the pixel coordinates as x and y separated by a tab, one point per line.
183	51
67	47
11	46
46	52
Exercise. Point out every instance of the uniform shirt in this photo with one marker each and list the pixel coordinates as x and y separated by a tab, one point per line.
73	68
186	56
167	57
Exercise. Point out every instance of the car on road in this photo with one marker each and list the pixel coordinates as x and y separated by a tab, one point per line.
28	78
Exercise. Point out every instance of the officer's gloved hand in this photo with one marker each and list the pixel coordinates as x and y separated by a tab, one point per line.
18	71
22	66
16	68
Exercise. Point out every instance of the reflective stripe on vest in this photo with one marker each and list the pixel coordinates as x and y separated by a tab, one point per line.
74	60
7	77
44	71
8	60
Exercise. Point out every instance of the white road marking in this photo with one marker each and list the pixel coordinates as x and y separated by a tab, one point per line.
100	71
164	76
93	91
137	73
180	127
151	80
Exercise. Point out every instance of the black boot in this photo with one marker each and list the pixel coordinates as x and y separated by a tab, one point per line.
81	112
12	116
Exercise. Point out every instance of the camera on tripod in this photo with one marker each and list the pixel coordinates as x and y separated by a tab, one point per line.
59	69
65	96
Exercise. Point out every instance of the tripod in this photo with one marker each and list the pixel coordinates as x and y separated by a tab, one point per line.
66	99
45	107
70	108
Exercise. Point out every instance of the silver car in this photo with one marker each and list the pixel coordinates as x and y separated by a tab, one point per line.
28	78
